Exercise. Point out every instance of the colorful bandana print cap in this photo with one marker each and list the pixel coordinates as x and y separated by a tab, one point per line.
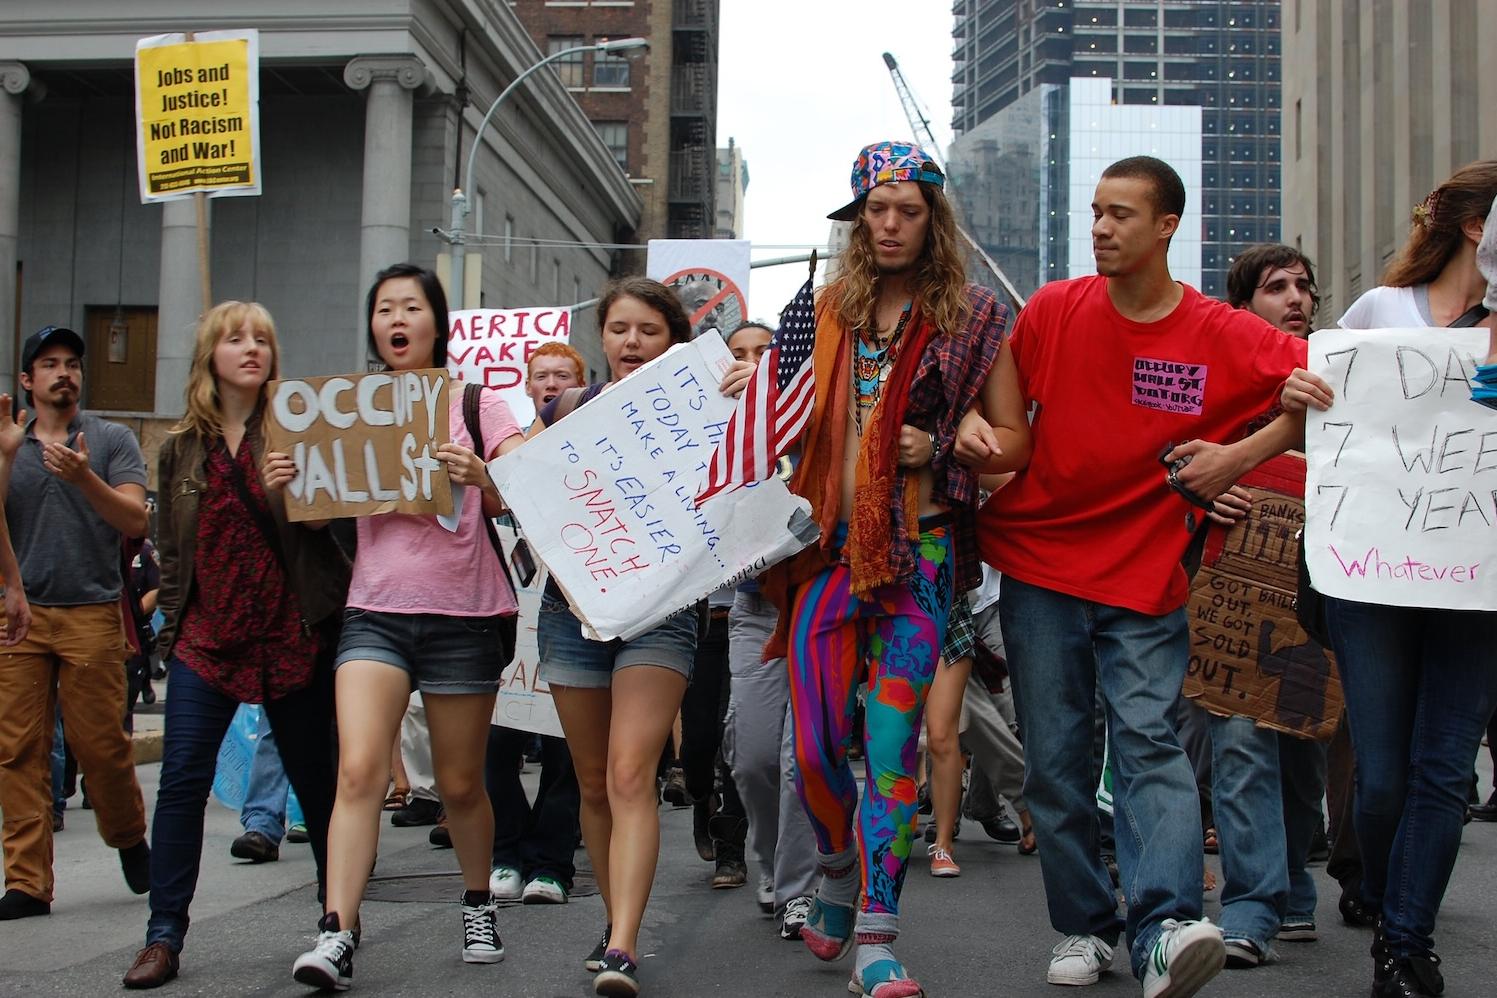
887	163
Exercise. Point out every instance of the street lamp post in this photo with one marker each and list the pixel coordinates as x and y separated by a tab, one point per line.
458	236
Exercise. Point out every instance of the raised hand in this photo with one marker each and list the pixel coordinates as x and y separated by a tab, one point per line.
65	462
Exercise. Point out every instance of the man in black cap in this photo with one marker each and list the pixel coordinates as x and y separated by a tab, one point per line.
74	486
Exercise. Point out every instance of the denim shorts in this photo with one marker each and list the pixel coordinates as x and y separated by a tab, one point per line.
569	659
441	654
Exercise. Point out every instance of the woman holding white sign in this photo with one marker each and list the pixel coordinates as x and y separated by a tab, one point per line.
618	699
425	611
251	605
1420	682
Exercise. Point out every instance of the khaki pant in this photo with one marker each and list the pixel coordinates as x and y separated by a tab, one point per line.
74	656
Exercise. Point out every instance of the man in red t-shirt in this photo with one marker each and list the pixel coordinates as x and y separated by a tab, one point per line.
1119	368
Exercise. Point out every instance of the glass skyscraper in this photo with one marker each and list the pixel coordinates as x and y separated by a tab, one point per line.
1219	55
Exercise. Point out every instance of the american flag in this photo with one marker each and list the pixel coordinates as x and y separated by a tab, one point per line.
773	408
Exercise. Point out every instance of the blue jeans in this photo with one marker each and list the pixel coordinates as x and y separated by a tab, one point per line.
1420	685
197	717
1061	649
1249	813
264	808
537	839
59	768
1302	776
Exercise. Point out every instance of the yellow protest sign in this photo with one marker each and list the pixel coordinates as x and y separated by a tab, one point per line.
197	114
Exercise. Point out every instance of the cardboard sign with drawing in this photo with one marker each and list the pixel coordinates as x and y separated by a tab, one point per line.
1249	657
363	443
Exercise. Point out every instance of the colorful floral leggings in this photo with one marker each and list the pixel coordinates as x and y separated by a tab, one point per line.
893	639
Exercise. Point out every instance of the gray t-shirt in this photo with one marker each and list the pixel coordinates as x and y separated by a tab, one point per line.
68	554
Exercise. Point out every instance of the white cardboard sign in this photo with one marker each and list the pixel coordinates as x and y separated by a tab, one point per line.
524	701
711	276
492	346
606	498
1401	494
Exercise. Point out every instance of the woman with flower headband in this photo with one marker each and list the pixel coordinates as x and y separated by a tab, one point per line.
1420	682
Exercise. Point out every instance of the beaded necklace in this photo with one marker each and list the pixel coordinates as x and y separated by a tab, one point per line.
871	365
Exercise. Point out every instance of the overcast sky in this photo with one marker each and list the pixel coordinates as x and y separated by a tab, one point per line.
802	87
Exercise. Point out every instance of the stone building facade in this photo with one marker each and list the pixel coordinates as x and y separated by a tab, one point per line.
1382	102
367	113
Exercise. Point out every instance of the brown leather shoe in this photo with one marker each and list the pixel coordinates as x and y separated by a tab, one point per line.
153	967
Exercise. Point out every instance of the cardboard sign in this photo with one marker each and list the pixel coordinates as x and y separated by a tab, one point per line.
362	443
1248	655
1402	488
492	346
197	114
710	275
606	498
524	702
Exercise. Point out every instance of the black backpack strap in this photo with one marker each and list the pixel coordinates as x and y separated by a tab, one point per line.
508	625
472	392
1470	317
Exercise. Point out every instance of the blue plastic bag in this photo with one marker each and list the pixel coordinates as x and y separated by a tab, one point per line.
235	756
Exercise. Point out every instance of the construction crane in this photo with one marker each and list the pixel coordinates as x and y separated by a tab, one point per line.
920	124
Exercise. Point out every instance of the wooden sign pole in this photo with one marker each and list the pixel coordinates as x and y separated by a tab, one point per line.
200	200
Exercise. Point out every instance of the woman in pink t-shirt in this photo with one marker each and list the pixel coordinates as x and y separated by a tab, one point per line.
425	611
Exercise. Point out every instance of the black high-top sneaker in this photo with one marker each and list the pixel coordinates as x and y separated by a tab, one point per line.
329	964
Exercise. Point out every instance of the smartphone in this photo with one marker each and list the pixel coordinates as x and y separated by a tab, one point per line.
523	562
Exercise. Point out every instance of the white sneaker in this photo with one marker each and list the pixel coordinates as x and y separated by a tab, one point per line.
1079	960
766	894
1185	956
545	890
505	883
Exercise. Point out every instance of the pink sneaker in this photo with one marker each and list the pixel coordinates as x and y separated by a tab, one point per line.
941	863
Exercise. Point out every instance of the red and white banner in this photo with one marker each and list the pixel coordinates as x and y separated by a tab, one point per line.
492	345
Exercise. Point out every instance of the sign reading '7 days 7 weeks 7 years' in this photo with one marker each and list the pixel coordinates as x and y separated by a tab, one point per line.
363	443
1401	496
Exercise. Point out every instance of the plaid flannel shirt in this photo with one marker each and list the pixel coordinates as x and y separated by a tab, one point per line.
947	383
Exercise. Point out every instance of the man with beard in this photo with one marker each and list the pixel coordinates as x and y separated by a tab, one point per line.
1267	786
74	487
903	345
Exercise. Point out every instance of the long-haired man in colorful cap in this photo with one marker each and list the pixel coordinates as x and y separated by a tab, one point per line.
903	345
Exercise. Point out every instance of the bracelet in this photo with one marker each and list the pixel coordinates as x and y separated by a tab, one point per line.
935	448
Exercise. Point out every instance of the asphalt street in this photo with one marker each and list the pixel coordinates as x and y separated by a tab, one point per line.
985	933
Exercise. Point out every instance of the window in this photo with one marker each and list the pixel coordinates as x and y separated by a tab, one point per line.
568	67
509	238
478	211
535	263
576	290
555	281
1298	125
611	69
615	135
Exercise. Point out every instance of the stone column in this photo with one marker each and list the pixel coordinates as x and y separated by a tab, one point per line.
14	79
179	301
385	229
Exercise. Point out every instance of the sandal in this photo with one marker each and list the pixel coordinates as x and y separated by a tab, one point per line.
1211	844
398	799
1028	844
